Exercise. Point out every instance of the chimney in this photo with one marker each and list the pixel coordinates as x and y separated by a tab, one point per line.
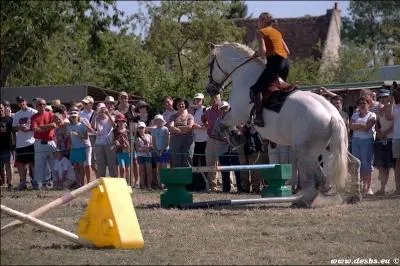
335	6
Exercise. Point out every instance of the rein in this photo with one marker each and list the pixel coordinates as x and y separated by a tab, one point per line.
220	86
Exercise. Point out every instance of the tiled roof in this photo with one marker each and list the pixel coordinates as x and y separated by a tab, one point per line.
301	35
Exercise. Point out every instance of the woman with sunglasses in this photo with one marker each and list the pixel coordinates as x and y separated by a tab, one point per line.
362	145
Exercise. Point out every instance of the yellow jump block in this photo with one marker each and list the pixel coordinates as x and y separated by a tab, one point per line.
110	219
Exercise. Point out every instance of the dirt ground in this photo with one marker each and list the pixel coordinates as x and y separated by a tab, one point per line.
256	234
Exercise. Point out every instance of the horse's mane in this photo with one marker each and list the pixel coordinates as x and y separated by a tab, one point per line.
243	49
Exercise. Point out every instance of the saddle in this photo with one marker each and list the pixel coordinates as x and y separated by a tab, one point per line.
276	93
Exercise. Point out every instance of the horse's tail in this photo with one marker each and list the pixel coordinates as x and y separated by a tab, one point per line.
338	148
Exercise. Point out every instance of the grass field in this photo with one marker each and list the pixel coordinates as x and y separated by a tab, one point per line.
257	234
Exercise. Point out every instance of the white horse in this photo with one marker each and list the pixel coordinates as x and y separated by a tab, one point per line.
307	122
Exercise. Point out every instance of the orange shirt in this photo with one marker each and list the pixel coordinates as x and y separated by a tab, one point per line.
273	42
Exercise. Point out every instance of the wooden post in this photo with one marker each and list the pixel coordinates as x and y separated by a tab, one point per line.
51	205
46	226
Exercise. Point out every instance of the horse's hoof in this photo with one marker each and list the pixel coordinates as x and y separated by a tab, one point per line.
300	204
353	199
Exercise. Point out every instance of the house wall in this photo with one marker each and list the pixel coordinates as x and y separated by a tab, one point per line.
332	45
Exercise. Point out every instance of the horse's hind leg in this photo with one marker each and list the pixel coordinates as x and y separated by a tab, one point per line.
314	177
352	191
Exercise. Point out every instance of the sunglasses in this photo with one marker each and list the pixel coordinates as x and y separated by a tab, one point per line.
362	103
141	127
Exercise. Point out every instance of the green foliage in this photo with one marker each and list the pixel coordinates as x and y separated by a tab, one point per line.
352	65
179	40
374	24
305	71
28	27
237	9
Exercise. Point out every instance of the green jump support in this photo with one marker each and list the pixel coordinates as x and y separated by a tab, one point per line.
176	180
276	178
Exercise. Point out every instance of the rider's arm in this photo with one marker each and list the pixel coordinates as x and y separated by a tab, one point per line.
285	46
261	46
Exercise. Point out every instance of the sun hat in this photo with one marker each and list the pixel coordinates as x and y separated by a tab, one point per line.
141	124
198	96
56	102
160	117
109	99
120	117
123	93
88	99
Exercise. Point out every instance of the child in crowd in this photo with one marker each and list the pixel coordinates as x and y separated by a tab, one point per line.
63	172
78	134
121	134
61	134
160	136
144	146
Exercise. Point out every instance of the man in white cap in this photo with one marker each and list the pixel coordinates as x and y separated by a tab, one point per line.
200	141
87	115
110	104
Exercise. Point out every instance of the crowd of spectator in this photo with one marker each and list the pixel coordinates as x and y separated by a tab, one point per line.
69	147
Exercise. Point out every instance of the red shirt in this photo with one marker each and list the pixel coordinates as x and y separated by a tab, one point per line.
211	115
40	120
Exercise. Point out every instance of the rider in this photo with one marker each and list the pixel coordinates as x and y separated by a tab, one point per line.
273	47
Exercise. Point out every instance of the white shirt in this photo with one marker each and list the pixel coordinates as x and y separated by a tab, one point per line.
104	132
356	119
85	114
60	166
23	117
199	135
396	121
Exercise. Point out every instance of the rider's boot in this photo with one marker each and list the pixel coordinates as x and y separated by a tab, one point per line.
258	106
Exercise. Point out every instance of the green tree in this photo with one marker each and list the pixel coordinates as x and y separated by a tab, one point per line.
374	24
237	9
179	40
28	27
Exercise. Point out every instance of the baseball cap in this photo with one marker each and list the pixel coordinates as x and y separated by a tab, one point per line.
198	96
74	113
120	117
141	124
223	104
383	93
20	99
88	99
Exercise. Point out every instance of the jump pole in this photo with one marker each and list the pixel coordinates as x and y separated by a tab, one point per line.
46	226
202	169
51	205
229	202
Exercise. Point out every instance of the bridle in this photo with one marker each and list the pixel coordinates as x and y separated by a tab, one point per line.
216	87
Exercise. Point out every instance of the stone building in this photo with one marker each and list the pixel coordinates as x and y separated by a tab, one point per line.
307	37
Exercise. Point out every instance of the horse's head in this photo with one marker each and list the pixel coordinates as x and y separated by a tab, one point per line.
233	62
217	76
